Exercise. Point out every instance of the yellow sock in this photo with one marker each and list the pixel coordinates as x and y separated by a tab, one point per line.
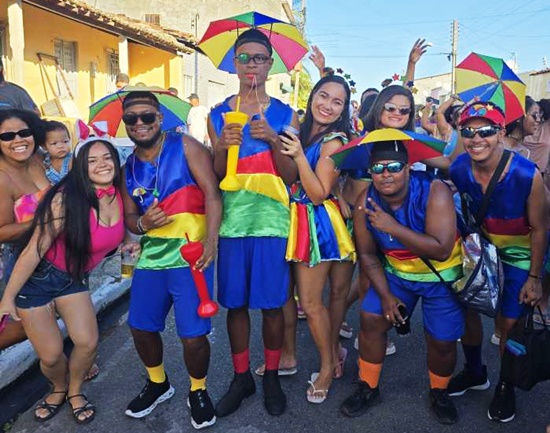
156	374
197	384
369	373
438	382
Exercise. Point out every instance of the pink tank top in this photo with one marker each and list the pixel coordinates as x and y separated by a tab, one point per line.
104	239
25	206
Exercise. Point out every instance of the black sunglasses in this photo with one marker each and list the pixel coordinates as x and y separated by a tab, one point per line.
482	131
392	108
146	118
258	59
392	167
22	133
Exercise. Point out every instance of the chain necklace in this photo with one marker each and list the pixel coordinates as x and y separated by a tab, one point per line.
139	192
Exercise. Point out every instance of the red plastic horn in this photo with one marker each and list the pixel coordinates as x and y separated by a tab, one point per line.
191	252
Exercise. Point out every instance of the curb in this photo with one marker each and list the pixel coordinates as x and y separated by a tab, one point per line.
16	360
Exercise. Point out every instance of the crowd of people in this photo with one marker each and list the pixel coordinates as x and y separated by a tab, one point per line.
296	225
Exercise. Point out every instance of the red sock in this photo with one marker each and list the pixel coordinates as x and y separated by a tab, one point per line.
272	358
241	361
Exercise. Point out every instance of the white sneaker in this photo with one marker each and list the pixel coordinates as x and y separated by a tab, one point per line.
346	331
495	339
390	348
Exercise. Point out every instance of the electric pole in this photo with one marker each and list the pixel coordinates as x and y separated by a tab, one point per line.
454	49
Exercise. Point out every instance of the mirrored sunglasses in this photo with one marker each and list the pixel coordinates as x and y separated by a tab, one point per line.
392	167
132	118
482	131
392	108
258	59
22	133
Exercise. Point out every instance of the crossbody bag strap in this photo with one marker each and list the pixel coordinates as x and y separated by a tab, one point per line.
436	272
491	187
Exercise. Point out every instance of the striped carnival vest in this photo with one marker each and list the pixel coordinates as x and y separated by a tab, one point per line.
179	196
505	223
261	207
412	214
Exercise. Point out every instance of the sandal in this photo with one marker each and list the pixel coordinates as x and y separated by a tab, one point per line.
314	395
339	369
80	410
283	371
92	372
50	407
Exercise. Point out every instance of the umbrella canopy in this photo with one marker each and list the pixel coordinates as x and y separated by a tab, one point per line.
220	36
356	154
109	109
491	80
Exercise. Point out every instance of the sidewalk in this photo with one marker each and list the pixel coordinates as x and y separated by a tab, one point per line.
106	287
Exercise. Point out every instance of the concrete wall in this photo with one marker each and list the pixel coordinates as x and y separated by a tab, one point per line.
213	85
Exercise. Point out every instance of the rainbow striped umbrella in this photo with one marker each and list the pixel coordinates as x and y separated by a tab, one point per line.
491	80
356	154
108	110
288	44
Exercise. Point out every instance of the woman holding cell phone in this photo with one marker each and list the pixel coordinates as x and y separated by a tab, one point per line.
319	240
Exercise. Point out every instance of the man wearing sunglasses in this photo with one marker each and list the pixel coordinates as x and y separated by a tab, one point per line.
516	223
252	271
170	197
404	218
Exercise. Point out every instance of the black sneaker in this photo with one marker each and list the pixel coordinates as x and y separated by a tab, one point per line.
503	406
465	380
150	396
442	406
274	397
358	403
202	409
242	386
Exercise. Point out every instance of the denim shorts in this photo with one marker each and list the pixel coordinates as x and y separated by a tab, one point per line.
46	284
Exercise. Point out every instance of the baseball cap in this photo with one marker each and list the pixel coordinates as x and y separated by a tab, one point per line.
483	110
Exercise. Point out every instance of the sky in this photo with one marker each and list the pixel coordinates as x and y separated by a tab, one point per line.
371	39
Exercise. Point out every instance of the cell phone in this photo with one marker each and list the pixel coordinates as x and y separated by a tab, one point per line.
403	312
256	117
291	129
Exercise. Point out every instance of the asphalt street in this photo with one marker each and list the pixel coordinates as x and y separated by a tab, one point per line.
404	386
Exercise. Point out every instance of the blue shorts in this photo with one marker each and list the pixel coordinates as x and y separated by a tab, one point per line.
442	314
153	293
46	284
514	279
253	272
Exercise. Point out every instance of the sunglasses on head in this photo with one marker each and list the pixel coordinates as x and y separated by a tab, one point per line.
392	108
22	133
392	167
258	59
482	131
132	118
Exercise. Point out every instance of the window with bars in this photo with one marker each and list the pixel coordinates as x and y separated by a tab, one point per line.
152	19
112	70
65	51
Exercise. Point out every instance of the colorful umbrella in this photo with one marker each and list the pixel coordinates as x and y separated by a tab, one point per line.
491	80
109	109
355	155
287	42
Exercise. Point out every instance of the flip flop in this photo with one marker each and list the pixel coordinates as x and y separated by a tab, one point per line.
316	396
289	371
339	369
92	372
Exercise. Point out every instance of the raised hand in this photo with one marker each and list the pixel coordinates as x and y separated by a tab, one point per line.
418	50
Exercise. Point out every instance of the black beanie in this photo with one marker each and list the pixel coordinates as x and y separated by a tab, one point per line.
254	35
389	151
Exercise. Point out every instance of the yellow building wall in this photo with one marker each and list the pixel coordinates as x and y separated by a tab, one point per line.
149	65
